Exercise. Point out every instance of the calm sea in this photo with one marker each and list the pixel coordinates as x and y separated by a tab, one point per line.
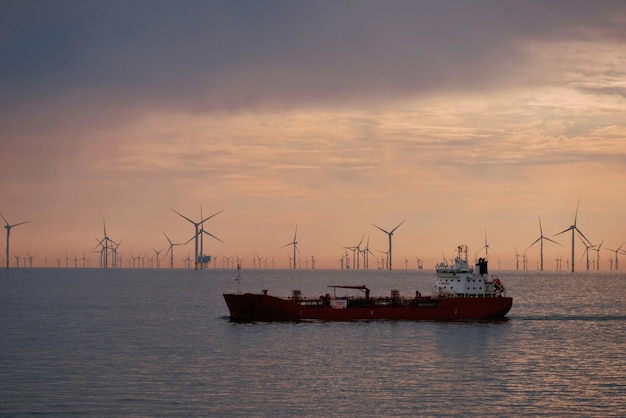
153	343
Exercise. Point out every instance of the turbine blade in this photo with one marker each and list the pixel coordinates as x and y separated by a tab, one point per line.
380	228
180	214
583	235
211	235
398	226
536	241
209	217
168	238
553	241
21	223
362	238
98	244
563	231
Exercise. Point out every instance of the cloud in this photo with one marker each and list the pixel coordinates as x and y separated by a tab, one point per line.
225	55
299	111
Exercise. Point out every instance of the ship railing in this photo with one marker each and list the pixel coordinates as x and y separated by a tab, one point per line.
359	301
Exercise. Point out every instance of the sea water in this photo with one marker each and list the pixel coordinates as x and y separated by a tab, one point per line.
122	342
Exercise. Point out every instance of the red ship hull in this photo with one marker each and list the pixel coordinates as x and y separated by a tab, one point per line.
263	308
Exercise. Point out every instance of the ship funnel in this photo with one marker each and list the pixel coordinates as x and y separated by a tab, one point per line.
482	266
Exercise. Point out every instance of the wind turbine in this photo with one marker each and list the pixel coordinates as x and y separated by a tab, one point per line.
205	259
420	263
116	259
540	240
197	224
574	229
170	250
597	250
366	253
619	249
158	262
485	247
390	234
295	247
105	247
359	252
8	227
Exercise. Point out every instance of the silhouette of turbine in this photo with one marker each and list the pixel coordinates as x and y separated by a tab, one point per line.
390	234
170	250
619	250
8	227
574	229
295	247
197	224
104	243
540	240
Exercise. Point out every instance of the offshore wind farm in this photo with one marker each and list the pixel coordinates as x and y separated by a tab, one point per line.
317	130
107	254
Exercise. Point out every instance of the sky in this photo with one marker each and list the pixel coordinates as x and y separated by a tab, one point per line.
463	119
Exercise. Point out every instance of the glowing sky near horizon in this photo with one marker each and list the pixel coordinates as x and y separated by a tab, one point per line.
460	117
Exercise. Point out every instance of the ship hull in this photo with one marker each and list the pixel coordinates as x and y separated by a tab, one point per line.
252	307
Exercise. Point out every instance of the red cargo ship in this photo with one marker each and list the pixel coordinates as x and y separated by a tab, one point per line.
460	293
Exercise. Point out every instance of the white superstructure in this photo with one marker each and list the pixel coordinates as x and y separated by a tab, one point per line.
460	279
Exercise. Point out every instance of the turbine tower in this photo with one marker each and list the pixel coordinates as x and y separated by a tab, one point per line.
197	224
295	247
540	240
574	229
390	234
8	227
